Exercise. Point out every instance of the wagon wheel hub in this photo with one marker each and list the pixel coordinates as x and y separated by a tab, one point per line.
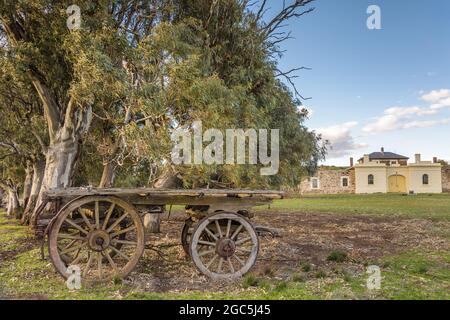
225	247
98	240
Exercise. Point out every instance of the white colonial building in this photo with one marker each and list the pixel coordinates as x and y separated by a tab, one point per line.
389	172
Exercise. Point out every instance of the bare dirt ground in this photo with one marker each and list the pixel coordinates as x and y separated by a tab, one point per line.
306	239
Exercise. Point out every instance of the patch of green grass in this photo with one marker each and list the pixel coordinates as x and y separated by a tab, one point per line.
337	256
250	281
281	286
320	274
347	276
306	267
427	206
298	278
417	275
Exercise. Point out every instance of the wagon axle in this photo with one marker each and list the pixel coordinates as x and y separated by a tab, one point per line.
225	248
98	240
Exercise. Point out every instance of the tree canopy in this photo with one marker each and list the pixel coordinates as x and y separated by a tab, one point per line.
96	105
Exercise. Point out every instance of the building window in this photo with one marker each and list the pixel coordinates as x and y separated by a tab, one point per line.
315	184
425	179
344	182
371	179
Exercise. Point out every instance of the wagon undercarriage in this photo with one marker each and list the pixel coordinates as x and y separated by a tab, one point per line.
100	232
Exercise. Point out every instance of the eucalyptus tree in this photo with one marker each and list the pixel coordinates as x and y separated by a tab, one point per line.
21	129
114	89
75	73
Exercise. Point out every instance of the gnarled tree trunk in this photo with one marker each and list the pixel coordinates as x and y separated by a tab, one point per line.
59	167
38	175
27	185
67	121
13	203
108	175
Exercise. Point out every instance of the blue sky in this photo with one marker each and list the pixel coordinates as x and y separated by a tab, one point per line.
374	88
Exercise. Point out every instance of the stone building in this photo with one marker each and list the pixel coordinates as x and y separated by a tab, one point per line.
446	178
380	172
329	181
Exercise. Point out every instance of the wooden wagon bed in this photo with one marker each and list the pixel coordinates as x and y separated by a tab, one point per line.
172	196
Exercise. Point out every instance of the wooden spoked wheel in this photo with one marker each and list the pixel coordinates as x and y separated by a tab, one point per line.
224	246
103	236
186	234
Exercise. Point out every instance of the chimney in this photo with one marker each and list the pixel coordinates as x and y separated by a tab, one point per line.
366	158
435	160
351	162
418	157
382	149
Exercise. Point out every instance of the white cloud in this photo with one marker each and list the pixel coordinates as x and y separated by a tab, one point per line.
425	124
443	103
382	124
405	111
436	95
398	118
341	140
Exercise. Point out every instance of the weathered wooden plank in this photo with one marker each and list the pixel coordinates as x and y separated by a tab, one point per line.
147	191
171	196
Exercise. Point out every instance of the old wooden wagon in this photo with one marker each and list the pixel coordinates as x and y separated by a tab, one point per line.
101	231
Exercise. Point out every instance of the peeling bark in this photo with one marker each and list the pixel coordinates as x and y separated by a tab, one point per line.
27	185
13	203
38	175
108	175
62	153
59	165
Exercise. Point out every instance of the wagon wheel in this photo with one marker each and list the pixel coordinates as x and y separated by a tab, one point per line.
230	253
189	227
186	234
104	236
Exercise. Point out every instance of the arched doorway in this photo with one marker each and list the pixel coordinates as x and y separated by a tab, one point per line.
397	183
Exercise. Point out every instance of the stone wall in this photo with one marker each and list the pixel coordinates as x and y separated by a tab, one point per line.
330	182
446	179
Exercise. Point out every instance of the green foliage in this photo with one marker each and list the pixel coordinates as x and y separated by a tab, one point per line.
144	71
337	256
